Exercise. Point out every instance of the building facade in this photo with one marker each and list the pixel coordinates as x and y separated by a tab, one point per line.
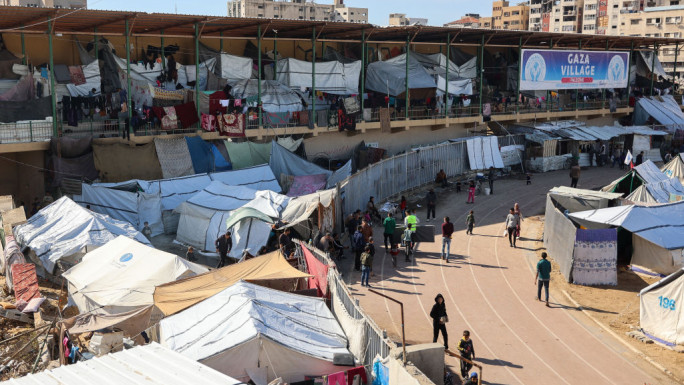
510	17
73	4
470	20
400	19
297	10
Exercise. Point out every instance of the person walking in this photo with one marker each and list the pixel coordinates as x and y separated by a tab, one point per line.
407	238
371	247
223	246
511	224
491	180
358	245
431	202
623	156
439	319
471	192
639	159
389	224
470	222
447	231
411	219
467	350
574	175
366	230
516	211
543	277
402	207
366	260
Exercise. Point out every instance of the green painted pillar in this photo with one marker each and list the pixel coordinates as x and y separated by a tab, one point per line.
313	73
259	76
517	93
655	53
577	89
53	96
363	69
197	73
674	70
407	98
221	41
275	57
23	47
629	69
163	57
446	78
481	70
128	75
97	47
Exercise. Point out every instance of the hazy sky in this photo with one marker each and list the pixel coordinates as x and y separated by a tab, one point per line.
437	12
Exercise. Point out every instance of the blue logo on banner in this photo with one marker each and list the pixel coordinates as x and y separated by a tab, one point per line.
616	69
535	68
126	257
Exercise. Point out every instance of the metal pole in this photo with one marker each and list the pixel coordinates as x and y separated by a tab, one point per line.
517	93
259	76
577	89
446	86
52	80
403	331
655	53
97	48
603	91
275	57
313	73
197	72
128	74
629	70
548	92
163	57
407	104
363	70
23	47
481	70
221	41
674	71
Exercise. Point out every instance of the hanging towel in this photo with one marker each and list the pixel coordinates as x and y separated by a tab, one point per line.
209	123
77	76
187	114
336	379
358	371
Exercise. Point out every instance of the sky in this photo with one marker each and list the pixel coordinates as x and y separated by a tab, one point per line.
438	12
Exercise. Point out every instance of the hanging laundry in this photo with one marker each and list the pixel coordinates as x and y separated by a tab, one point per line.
346	122
237	102
77	76
358	371
209	122
170	120
224	103
231	125
336	379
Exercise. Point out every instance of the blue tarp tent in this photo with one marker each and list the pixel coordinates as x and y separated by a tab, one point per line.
205	156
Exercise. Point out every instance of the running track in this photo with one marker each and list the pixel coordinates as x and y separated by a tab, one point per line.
489	289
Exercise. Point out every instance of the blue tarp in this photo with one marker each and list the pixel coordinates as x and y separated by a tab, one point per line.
220	163
201	154
283	162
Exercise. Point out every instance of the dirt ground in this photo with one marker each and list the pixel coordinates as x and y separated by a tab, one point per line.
614	306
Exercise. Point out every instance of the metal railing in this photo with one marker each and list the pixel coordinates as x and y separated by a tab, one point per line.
24	132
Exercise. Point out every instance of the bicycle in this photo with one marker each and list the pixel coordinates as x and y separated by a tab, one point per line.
408	246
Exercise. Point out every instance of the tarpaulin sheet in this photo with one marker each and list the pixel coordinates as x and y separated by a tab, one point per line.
257	177
12	256
299	209
22	91
483	153
174	157
595	257
234	68
655	258
664	319
318	271
574	200
201	154
389	76
340	174
247	154
35	109
283	162
437	64
67	147
120	162
666	112
92	81
675	168
25	281
332	77
559	238
306	184
290	144
82	168
62	75
220	162
131	322
275	97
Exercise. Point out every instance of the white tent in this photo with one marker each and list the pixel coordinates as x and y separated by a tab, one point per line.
647	184
389	76
275	97
675	168
235	68
121	275
140	72
660	312
252	332
203	217
657	238
332	77
66	231
460	78
301	208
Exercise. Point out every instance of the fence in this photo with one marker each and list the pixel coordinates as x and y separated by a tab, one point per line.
22	132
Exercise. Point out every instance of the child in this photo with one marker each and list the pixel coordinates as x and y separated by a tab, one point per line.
190	255
402	207
407	238
147	231
471	192
470	222
529	179
366	266
458	187
394	252
467	350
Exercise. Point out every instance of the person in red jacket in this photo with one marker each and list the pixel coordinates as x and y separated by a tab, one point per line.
447	231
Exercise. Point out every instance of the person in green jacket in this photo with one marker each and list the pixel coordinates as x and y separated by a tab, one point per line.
470	222
389	224
543	277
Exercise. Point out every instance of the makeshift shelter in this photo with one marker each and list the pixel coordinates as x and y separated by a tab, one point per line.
65	231
585	257
248	154
150	364
663	109
286	166
268	270
203	217
118	162
389	76
483	153
205	157
332	77
259	334
311	214
93	80
646	183
275	97
660	310
675	168
656	232
460	77
120	276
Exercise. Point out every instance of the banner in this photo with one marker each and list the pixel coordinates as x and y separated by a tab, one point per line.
557	69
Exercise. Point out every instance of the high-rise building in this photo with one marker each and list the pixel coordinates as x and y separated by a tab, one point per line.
400	19
297	10
47	3
512	17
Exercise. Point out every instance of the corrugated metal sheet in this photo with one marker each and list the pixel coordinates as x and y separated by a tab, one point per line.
643	130
150	365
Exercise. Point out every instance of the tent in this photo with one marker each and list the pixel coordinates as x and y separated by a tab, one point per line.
121	275
203	217
332	77
286	164
646	183
675	168
275	97
65	231
660	310
656	231
252	332
664	109
93	80
247	154
205	156
150	364
389	76
460	77
269	270
302	208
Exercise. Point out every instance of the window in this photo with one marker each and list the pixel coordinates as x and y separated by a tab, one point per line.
635	21
673	20
557	21
260	6
614	27
568	28
275	16
674	2
590	7
506	14
589	27
652	21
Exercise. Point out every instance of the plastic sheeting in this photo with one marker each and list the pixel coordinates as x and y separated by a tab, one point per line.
660	310
248	154
574	200
93	81
483	153
275	97
63	229
283	162
290	144
595	257
36	109
332	77
22	91
354	328
666	112
142	73
645	66
238	328
234	68
654	257
119	162
559	238
319	273
389	76
257	177
675	168
174	157
121	275
340	174
306	184
201	154
301	208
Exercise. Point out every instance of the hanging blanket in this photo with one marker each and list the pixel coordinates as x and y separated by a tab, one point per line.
174	157
277	118
232	125
160	93
77	76
209	123
595	257
318	271
187	114
169	120
346	122
307	184
385	120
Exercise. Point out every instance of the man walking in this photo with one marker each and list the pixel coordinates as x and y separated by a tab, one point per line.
512	221
366	230
223	246
431	201
447	231
491	180
543	277
574	175
358	245
389	225
366	265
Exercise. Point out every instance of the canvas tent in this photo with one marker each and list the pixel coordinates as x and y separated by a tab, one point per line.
269	270
332	77
252	332
675	168
65	231
302	208
121	275
646	183
660	310
460	77
656	231
275	97
389	76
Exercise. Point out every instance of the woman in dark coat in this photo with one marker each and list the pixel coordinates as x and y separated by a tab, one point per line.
439	320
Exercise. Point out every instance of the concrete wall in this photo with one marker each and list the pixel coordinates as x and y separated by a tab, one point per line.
19	179
424	366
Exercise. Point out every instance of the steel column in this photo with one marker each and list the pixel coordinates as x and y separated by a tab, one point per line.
197	73
313	74
446	86
407	103
163	57
23	48
259	76
128	75
53	97
363	69
275	57
655	53
97	48
481	70
517	93
674	70
577	89
629	70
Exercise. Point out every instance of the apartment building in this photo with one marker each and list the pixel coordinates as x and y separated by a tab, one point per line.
400	19
566	16
471	20
297	10
511	17
46	3
540	14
